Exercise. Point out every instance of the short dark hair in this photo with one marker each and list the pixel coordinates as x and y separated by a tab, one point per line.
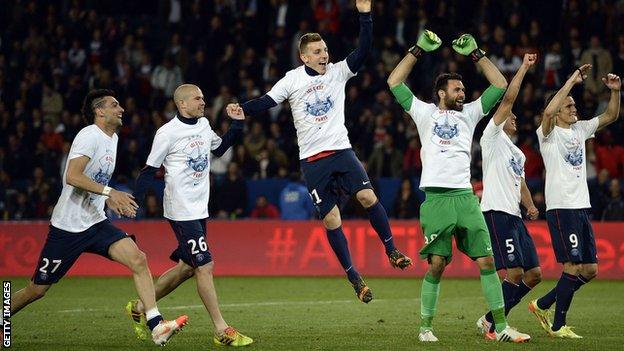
92	101
308	38
441	83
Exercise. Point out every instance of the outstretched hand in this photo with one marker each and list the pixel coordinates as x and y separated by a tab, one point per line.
529	60
235	111
581	73
465	44
122	203
428	41
363	6
612	81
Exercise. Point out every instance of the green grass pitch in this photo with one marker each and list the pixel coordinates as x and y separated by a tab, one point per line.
306	314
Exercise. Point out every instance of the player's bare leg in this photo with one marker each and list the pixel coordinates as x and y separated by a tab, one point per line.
127	253
169	281
224	334
31	293
208	295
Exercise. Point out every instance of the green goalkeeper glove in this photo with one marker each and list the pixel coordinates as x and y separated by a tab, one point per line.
427	41
467	45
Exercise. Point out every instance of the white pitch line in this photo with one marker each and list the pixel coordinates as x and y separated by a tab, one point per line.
249	304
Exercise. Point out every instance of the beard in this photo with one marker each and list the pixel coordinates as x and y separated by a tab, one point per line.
452	104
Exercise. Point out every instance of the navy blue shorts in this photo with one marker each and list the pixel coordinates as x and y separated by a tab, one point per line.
511	243
572	235
330	180
62	249
192	246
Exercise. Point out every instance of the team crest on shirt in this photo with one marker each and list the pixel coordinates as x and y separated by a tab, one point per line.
574	157
516	167
574	153
106	164
196	151
316	106
444	131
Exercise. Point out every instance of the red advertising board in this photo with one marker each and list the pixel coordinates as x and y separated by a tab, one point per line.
274	248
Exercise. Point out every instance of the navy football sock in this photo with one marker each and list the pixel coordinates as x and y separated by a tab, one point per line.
338	242
547	300
152	323
521	292
580	282
379	220
565	291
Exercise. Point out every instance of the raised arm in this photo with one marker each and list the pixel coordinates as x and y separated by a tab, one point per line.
504	109
427	41
466	45
257	105
357	57
612	112
548	117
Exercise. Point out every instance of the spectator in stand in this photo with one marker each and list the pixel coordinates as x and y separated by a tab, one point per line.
412	165
264	209
599	193
609	156
153	209
51	140
386	160
51	56
533	166
406	205
601	62
231	197
614	210
295	202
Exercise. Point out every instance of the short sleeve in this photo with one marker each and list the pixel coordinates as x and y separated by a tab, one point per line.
541	138
83	145
419	109
281	90
588	128
474	111
215	140
343	70
492	130
160	149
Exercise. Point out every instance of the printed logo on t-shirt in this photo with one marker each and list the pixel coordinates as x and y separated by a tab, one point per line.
316	106
574	157
444	131
196	151
516	167
105	168
573	153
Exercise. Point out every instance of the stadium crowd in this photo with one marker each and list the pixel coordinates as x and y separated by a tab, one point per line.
53	52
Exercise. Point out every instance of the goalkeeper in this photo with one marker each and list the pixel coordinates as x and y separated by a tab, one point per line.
450	207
